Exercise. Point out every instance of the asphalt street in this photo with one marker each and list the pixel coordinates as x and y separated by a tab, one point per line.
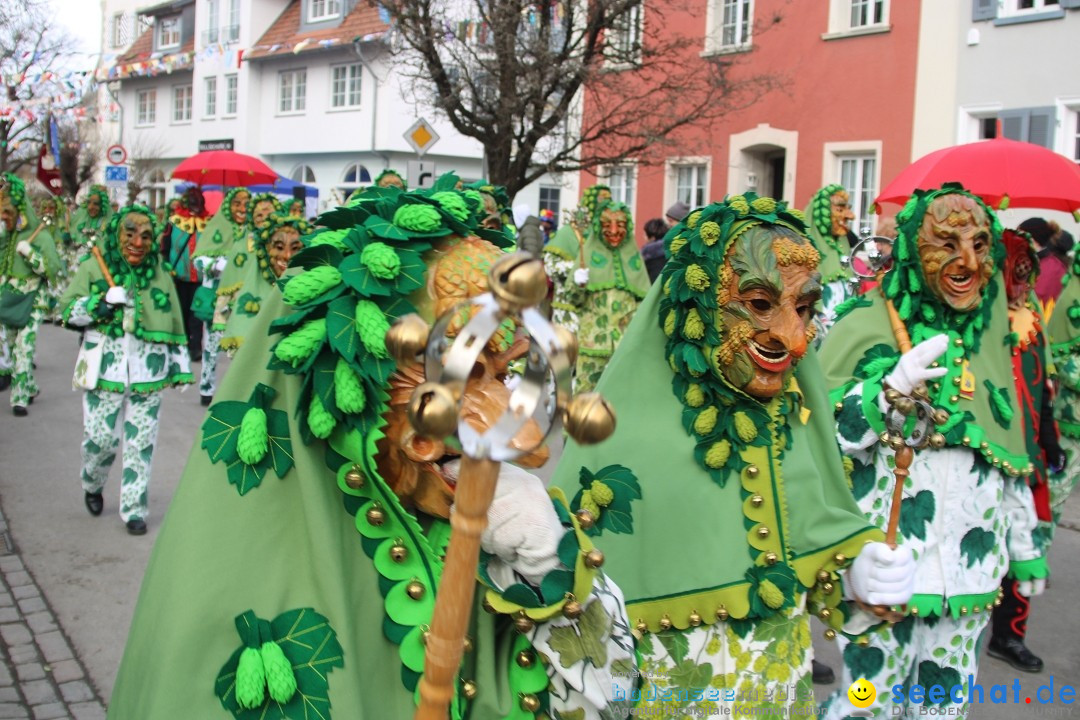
89	569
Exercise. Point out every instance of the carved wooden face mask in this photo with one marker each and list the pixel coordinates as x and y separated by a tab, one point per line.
613	227
954	247
238	207
1019	264
283	244
769	286
136	238
840	204
9	214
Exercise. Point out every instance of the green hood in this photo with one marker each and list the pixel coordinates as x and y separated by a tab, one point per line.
620	267
819	227
221	235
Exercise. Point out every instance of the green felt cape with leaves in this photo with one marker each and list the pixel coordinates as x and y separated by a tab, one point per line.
14	265
222	236
733	492
819	227
620	267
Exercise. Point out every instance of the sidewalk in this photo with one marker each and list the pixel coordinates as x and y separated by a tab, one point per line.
40	677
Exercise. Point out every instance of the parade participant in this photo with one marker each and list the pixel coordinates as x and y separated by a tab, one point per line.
28	264
90	219
180	237
829	219
296	208
722	540
496	213
1030	373
390	178
548	223
327	615
262	207
251	278
53	212
599	281
967	512
226	234
134	347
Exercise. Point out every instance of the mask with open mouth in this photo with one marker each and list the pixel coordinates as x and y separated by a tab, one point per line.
136	238
1020	265
769	285
954	248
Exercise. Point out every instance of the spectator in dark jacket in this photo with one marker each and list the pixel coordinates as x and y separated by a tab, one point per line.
653	250
1053	260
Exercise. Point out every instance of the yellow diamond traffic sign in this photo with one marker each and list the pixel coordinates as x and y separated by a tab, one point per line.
421	136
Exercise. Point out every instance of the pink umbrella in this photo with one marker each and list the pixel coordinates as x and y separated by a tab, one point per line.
225	168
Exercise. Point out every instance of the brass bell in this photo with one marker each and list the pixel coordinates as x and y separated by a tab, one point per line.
695	618
665	623
518	281
589	418
941	416
770	558
896	443
572	609
721	613
827	588
468	644
891	396
756	500
398	552
424	637
585	519
529	701
904	405
526	659
752	471
937	440
830	634
823	576
569	343
376	516
641	627
468	689
433	411
415	589
594	558
825	614
355	477
407	338
863	641
523	623
763	532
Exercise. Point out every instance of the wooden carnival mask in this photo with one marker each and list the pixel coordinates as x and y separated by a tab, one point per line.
135	238
238	207
954	247
1019	269
840	211
282	245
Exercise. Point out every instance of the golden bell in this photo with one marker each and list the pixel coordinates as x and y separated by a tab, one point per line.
572	609
407	338
589	419
415	590
695	619
585	519
568	341
896	443
891	396
523	623
825	614
771	558
526	659
468	689
424	637
398	553
665	623
529	702
937	440
823	576
518	281
941	416
594	558
468	644
827	588
904	405
830	634
376	516
641	627
433	411
355	477
721	613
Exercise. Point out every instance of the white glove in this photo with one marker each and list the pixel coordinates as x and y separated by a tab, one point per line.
1031	588
219	265
881	575
914	365
24	248
117	295
581	276
523	530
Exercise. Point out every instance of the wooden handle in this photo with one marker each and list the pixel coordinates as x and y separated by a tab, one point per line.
454	602
96	252
903	458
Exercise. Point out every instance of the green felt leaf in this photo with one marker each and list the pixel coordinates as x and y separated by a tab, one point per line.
863	662
383	228
915	513
586	640
155	363
341	326
568	550
247	477
555	585
902	631
220	429
689	674
676	643
281	455
356	275
930	674
976	545
876	360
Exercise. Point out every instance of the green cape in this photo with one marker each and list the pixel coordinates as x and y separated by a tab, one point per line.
620	267
221	235
14	265
690	548
81	222
819	227
244	287
1063	327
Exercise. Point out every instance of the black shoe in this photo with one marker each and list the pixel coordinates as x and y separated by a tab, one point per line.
1013	651
822	673
34	396
5	382
206	399
20	411
136	526
94	503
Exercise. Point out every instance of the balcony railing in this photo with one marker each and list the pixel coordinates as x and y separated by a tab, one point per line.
223	34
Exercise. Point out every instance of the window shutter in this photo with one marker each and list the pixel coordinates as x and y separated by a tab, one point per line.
1014	124
1041	127
1070	3
985	9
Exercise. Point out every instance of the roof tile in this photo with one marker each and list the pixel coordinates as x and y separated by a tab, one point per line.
285	31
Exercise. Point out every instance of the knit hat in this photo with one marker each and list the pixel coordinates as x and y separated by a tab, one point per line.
678	211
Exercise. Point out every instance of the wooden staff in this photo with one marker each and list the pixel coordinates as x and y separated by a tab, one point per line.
96	252
904	455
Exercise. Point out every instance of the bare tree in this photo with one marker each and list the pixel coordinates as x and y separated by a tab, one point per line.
80	155
31	45
143	158
557	87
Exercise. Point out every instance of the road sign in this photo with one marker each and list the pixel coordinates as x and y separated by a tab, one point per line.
224	144
116	176
116	154
421	136
421	173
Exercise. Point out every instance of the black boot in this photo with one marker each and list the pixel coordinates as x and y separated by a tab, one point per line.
1009	626
94	502
5	382
822	673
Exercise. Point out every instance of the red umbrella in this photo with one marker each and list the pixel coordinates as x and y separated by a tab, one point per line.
1002	172
226	168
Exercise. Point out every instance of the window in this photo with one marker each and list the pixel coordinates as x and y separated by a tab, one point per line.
181	103
1017	7
345	86
621	181
1033	125
292	91
303	174
735	25
230	94
1072	140
319	10
168	32
857	17
354	176
232	32
625	41
213	20
690	182
867	12
210	84
120	35
549	198
858	175
146	104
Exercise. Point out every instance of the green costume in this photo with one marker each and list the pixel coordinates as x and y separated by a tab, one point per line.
24	271
128	355
1063	331
736	514
967	512
835	267
86	230
248	282
599	311
325	615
